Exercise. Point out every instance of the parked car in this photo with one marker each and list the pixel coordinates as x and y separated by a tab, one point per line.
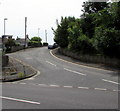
52	46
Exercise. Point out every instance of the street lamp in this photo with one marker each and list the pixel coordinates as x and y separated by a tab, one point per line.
4	24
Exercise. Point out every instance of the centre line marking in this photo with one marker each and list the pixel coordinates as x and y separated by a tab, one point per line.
83	87
50	63
42	84
68	86
100	89
110	81
52	85
20	100
22	83
116	90
74	72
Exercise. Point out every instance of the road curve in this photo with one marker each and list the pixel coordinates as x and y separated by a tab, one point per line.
60	85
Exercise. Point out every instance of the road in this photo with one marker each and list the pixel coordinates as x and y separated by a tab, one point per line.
60	85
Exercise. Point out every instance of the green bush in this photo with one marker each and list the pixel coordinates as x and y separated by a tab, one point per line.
107	41
21	75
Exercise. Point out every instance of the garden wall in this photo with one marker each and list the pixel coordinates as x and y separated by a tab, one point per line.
113	62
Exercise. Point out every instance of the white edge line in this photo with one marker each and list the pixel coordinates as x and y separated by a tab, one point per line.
76	63
20	100
75	72
38	73
110	81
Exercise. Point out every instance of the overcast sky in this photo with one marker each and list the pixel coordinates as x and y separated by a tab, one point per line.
40	14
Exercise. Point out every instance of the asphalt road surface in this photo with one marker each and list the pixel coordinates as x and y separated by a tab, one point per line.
60	85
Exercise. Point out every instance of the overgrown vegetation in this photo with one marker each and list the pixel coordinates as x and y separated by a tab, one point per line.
10	43
96	32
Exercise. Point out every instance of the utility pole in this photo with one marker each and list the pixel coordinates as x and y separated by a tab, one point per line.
25	30
46	35
4	25
38	31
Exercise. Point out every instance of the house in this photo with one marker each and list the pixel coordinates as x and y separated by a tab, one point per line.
22	41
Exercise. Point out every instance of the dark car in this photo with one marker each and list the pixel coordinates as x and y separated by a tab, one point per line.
52	46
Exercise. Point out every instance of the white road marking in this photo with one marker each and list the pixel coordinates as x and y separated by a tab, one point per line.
74	72
83	87
50	63
20	100
116	90
42	84
100	89
68	86
22	83
52	85
32	78
110	81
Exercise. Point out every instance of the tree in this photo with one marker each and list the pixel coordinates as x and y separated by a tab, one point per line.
38	39
61	33
107	41
88	25
115	12
93	7
35	42
104	18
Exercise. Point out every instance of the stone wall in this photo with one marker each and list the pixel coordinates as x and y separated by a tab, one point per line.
16	48
113	62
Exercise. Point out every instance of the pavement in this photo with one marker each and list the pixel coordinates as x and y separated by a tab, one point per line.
61	85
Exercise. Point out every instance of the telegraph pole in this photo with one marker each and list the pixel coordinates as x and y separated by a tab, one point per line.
38	31
46	35
25	30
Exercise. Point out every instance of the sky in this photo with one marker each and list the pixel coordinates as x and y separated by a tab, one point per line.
41	14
